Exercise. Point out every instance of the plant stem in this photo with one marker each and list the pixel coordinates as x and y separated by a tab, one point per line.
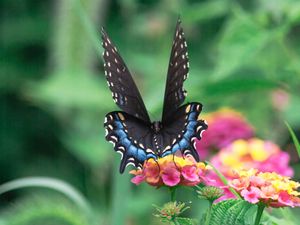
260	209
173	193
207	219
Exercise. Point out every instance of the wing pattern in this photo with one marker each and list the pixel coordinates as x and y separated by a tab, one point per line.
136	142
177	74
124	91
184	130
130	138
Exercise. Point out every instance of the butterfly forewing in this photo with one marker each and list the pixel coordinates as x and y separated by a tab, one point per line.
120	82
177	74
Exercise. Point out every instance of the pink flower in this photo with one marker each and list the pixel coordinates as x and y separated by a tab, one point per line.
280	99
257	181
285	199
269	192
138	179
251	196
274	191
225	126
190	173
170	171
170	176
240	184
247	154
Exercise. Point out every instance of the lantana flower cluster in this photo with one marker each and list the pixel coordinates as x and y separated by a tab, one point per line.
269	188
247	154
171	171
225	126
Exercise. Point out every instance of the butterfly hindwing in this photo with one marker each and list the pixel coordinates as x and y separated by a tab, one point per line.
183	131
177	74
120	82
131	137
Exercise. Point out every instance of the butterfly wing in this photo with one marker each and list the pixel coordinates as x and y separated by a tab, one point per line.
131	137
177	74
183	131
120	82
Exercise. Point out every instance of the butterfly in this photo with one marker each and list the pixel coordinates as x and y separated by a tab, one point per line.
131	131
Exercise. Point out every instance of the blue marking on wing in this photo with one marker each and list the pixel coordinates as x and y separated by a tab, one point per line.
188	133
183	143
150	155
126	142
131	150
192	124
175	148
141	155
192	116
121	134
166	153
118	124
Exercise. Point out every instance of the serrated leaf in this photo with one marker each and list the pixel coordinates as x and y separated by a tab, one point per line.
231	212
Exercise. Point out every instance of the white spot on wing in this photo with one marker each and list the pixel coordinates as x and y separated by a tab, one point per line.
121	153
130	163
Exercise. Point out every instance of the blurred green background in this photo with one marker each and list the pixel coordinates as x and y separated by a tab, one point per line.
53	93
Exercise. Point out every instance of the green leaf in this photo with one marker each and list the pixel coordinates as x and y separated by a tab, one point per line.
233	212
238	85
205	11
46	210
294	137
186	221
241	40
50	183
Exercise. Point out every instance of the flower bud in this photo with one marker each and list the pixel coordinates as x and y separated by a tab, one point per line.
210	193
170	210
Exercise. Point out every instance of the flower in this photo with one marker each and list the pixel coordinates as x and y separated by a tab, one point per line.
272	189
251	195
225	126
210	193
170	171
246	154
280	99
170	211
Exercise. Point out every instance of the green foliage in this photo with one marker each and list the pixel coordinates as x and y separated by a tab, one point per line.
186	221
233	212
44	210
295	139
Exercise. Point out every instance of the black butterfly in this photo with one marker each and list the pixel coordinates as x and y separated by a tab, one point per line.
131	130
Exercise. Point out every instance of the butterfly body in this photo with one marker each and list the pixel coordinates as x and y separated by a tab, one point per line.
131	131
